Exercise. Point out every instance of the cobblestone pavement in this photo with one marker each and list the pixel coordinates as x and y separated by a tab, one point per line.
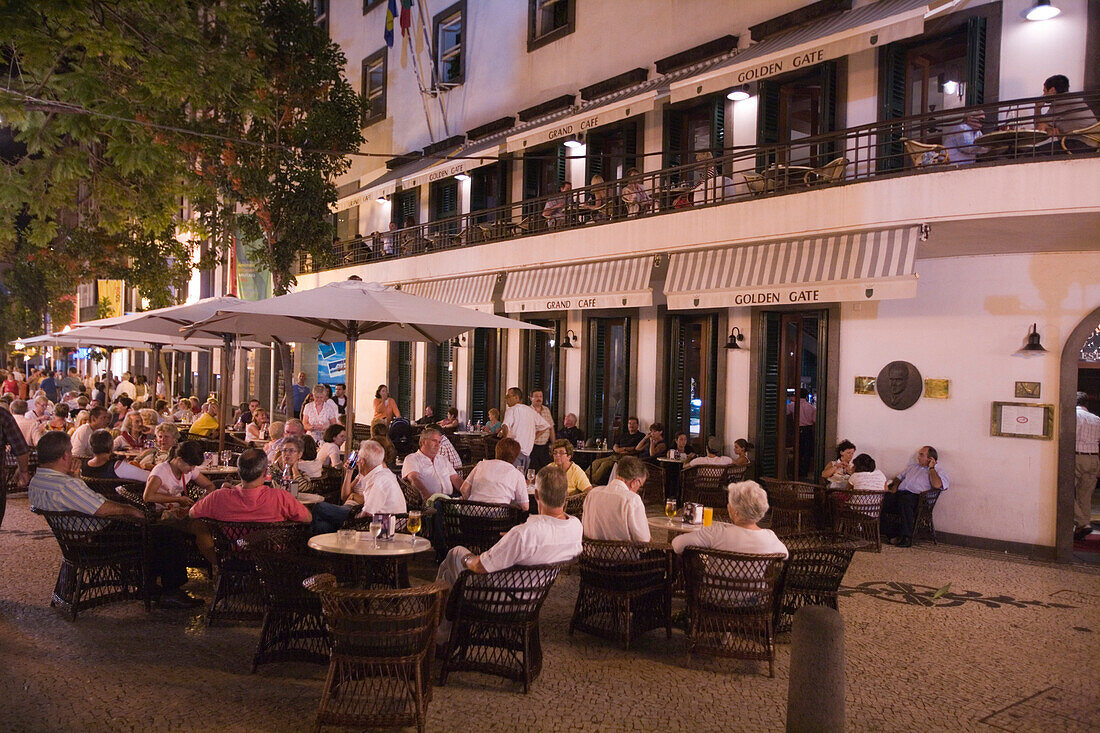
1011	645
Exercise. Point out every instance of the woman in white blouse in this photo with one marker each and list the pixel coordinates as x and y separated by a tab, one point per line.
865	475
257	429
328	452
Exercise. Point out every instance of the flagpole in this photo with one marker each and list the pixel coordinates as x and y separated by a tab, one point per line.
435	72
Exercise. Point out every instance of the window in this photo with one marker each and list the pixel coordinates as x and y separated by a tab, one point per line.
406	208
608	376
374	87
549	20
369	4
346	223
450	36
320	14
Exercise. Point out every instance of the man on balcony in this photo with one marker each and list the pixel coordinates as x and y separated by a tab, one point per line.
554	211
1063	116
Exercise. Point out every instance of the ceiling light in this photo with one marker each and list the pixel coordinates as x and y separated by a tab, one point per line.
1042	10
739	94
382	200
462	177
573	143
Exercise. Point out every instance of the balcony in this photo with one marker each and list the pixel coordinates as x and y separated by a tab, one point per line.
910	146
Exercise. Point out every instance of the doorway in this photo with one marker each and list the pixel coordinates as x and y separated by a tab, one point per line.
541	368
1079	371
608	376
693	377
791	437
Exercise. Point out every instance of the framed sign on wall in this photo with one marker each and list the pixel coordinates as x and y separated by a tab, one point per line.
1022	420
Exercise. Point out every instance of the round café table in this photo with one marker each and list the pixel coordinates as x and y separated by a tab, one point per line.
219	474
1011	142
366	562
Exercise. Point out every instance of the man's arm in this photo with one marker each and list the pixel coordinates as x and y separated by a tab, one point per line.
637	522
456	482
414	478
934	478
114	509
345	487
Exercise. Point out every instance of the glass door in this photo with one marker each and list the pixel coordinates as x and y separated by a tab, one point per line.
791	435
693	377
608	376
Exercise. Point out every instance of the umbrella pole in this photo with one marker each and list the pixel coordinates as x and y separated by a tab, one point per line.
152	376
349	391
227	348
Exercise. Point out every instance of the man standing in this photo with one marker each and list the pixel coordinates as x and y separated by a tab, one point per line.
98	419
12	437
427	470
540	451
616	512
521	422
25	424
918	478
125	387
299	392
1086	467
49	386
70	383
625	445
341	399
320	413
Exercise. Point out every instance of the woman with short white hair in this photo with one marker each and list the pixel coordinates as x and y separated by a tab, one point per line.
748	503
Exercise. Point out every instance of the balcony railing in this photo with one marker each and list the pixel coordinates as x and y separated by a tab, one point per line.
1011	132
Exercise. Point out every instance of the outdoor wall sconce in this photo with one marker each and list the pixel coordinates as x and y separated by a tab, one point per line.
739	94
1032	347
735	336
459	341
569	340
574	142
1042	10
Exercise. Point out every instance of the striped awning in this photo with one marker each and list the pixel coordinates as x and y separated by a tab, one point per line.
588	118
868	26
474	292
609	284
874	265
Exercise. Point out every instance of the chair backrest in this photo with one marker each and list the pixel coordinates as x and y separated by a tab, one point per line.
230	542
755	182
929	498
1090	134
735	474
477	525
384	625
818	560
510	596
730	581
108	487
413	499
784	491
833	171
283	564
866	503
83	537
704	477
925	154
624	565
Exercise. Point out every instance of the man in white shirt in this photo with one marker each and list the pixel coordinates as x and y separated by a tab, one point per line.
98	418
1086	466
521	423
371	488
714	456
540	451
551	536
616	512
427	470
125	387
498	481
320	413
27	425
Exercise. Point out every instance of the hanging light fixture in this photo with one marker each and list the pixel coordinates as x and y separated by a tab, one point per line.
1042	10
1032	347
735	336
739	94
574	142
462	177
569	340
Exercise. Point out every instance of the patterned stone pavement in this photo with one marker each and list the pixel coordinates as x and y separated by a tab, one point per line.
1009	645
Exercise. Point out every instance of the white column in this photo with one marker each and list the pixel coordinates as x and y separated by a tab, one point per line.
574	397
645	380
739	380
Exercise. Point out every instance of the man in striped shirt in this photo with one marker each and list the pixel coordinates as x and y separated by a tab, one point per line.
1086	466
12	437
55	488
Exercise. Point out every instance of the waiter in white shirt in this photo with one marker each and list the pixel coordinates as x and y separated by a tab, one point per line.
1086	466
521	422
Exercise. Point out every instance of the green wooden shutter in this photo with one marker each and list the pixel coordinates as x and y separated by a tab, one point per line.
444	378
712	379
630	147
677	412
594	163
405	378
891	155
405	205
674	137
446	199
827	151
479	376
561	163
768	423
718	126
975	61
767	122
596	387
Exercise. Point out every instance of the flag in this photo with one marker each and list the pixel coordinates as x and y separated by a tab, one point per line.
406	16
391	11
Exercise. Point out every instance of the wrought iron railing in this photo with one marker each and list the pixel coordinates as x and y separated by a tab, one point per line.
1012	132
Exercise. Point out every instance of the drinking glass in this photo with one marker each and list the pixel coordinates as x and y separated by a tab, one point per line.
376	530
227	457
708	516
670	508
413	523
345	536
530	477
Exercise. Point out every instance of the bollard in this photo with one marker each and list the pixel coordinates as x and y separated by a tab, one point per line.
815	694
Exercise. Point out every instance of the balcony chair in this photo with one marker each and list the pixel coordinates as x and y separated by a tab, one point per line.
925	155
1087	135
828	174
379	672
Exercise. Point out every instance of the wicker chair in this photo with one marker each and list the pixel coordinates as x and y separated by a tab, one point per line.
495	619
237	596
1088	135
413	499
625	590
794	505
379	673
831	172
328	484
731	603
705	485
857	514
813	573
104	560
294	629
923	526
109	487
574	503
924	155
475	525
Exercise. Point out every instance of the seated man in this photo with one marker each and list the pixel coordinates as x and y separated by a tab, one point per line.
551	536
562	454
570	431
428	417
207	421
748	503
906	489
961	139
55	488
714	455
625	445
616	512
428	470
554	210
253	500
98	418
498	481
1064	115
369	488
100	464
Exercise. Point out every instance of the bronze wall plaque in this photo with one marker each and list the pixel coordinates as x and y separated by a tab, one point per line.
899	385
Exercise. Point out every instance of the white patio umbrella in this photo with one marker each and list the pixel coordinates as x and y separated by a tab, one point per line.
350	310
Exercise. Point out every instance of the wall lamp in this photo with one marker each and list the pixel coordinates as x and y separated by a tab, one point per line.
1032	347
459	341
739	94
569	340
574	142
1042	10
462	177
735	337
382	200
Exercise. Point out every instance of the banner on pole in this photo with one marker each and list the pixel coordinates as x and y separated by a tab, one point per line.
332	362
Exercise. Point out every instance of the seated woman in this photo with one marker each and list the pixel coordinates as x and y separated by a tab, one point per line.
836	472
167	487
252	500
741	448
258	428
451	421
183	411
328	452
683	449
498	481
100	464
865	475
165	437
380	433
562	454
635	195
131	437
653	445
493	424
748	503
287	468
597	202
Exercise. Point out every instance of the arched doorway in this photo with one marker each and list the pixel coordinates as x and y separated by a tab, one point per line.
1067	429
